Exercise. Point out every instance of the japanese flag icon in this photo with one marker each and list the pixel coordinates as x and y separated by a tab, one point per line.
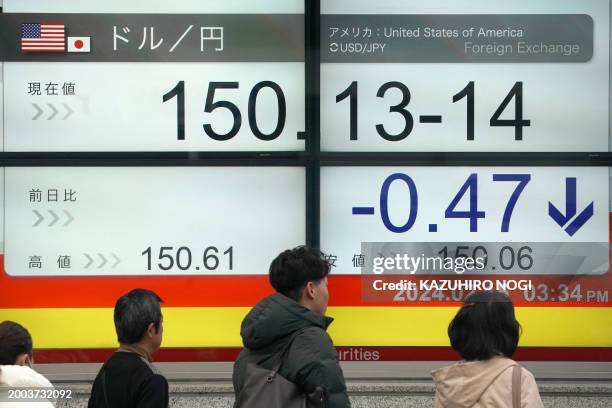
79	44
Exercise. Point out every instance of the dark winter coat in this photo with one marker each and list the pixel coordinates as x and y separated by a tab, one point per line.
312	360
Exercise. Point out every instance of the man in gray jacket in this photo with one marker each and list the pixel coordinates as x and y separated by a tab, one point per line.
299	277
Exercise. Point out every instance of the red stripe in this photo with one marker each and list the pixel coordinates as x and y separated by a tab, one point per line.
43	50
599	354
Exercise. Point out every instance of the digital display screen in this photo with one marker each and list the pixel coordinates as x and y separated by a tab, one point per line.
150	221
226	77
181	146
465	76
430	206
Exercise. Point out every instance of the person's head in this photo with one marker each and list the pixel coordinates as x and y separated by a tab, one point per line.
15	344
485	327
138	319
301	274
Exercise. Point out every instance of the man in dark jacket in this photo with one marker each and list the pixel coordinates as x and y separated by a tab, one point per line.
299	277
129	379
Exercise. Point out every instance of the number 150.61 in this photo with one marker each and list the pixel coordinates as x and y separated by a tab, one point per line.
168	258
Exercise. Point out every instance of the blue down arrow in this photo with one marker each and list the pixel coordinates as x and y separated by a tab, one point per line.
570	209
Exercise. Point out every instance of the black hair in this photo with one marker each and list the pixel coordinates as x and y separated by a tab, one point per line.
485	327
292	269
134	312
14	341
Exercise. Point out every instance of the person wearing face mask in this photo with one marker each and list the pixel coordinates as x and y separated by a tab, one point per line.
16	364
291	323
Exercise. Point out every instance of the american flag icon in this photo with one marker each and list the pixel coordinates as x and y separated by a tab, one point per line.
43	37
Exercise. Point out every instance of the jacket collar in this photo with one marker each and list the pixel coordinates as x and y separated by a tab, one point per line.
301	311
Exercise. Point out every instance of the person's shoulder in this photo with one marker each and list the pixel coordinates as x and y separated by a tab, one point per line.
314	340
525	373
156	379
142	373
314	334
527	378
530	393
159	378
22	376
152	391
509	365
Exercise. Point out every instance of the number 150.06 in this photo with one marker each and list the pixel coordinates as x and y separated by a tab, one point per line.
516	93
